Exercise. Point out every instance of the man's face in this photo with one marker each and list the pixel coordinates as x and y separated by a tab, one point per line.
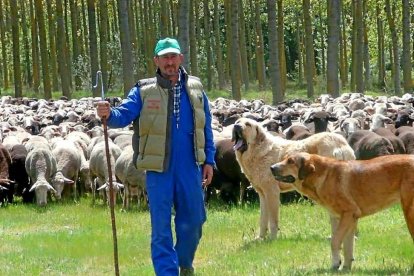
169	64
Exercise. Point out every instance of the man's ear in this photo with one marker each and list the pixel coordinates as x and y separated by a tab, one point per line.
156	60
305	168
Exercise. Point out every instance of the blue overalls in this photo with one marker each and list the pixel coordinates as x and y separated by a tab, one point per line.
179	187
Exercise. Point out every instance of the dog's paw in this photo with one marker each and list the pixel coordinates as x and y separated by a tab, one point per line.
336	265
259	238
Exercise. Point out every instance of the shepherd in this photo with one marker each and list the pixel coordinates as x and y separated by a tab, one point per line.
173	143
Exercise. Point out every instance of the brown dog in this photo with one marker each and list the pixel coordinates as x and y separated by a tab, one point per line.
351	190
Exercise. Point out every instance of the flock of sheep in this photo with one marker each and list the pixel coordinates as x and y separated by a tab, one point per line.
55	149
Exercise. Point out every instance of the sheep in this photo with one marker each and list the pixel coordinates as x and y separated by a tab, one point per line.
68	163
320	120
133	179
406	134
297	132
40	166
396	141
368	144
379	120
404	118
99	171
349	126
228	178
18	174
123	140
36	142
81	142
5	182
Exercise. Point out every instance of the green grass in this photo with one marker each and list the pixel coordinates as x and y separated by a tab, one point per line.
76	239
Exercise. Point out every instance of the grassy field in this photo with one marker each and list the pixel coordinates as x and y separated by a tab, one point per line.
76	239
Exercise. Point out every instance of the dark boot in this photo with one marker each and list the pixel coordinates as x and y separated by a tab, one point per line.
186	271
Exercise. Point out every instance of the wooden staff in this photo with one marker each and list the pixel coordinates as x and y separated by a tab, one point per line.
111	188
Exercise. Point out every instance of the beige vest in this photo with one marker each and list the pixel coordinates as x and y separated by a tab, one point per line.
154	141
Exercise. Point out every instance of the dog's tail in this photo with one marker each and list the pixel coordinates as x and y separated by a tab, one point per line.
344	152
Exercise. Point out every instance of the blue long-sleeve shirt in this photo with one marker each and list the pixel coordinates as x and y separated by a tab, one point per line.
130	108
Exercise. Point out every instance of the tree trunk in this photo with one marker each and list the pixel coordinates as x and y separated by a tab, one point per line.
26	46
218	46
381	49
281	45
75	39
193	37
334	30
359	76
353	45
61	53
235	53
228	39
367	67
343	64
406	54
43	49
310	58
243	51
133	38
322	36
183	31
85	25
299	49
16	49
251	38
3	48
164	18
126	48
52	42
173	16
274	66
395	48
260	63
93	46
67	41
148	39
103	42
207	36
35	49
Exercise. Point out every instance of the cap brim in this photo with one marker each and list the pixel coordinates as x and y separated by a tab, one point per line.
169	51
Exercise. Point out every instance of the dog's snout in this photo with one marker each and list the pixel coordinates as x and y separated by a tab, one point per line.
237	127
235	134
274	169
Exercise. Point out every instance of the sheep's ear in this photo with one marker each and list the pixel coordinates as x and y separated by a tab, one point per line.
68	181
102	187
32	188
332	118
305	168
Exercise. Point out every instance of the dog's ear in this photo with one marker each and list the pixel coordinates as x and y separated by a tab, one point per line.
260	135
305	168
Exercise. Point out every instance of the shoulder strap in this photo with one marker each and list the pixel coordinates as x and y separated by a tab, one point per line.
147	81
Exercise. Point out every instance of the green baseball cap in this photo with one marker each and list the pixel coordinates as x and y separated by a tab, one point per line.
167	46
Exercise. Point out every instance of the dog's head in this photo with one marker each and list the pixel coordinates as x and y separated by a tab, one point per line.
246	132
293	168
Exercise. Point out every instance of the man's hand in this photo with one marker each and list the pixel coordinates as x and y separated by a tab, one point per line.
103	109
207	174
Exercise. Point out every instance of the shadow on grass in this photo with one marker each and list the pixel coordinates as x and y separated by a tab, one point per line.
219	205
364	271
251	241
